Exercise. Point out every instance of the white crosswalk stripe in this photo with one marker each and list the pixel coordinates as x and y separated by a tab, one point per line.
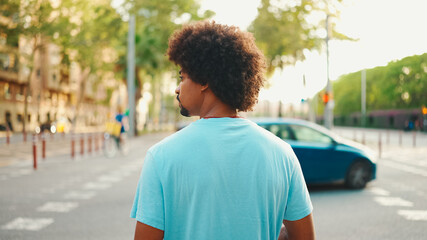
58	207
379	191
414	215
30	224
81	195
393	201
406	168
96	186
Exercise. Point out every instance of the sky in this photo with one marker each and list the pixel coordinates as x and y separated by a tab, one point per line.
387	30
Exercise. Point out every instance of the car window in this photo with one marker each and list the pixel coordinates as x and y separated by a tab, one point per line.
306	134
280	130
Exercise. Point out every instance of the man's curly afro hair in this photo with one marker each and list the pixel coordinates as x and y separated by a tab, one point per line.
223	57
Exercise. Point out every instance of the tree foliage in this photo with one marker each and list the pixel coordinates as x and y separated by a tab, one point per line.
155	22
284	29
399	85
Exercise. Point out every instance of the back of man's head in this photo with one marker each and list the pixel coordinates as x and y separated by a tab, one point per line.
223	57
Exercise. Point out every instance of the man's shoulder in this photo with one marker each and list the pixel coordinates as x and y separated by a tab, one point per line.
175	140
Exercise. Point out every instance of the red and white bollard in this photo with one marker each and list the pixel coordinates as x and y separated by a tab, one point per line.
89	144
24	134
34	152
7	136
96	142
72	146
43	146
82	145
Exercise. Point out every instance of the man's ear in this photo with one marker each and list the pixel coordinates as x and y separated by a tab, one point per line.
204	87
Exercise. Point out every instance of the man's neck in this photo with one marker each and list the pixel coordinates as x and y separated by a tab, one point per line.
212	107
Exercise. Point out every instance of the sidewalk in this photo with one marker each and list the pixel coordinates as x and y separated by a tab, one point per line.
58	148
57	145
388	138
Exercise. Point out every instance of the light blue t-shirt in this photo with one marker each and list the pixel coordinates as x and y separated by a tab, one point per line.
221	178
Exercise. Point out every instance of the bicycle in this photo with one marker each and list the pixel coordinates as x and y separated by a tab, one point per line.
114	140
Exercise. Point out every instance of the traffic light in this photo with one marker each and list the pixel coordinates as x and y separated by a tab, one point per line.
326	97
424	110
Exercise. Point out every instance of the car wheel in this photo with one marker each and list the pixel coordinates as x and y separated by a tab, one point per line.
358	175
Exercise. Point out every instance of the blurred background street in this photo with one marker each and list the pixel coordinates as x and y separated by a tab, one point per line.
90	197
77	75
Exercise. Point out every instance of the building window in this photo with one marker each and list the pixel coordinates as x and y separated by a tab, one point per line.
6	91
29	117
20	95
19	118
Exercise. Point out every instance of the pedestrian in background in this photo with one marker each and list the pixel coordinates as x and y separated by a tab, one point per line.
221	177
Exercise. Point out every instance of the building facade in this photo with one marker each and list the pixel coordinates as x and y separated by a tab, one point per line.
54	91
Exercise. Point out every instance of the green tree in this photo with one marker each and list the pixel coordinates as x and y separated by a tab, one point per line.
283	30
155	21
92	35
399	85
34	21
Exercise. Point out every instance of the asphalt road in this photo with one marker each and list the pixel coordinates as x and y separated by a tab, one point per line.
86	198
91	197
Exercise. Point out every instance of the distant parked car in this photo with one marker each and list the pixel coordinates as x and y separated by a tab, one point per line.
61	125
324	156
45	127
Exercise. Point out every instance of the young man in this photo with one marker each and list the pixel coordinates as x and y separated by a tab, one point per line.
221	177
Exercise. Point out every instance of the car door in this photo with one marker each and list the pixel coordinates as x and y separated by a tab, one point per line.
316	153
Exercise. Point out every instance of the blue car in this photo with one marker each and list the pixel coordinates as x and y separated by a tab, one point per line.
324	156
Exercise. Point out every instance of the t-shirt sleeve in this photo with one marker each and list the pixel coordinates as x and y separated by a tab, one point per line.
148	204
298	204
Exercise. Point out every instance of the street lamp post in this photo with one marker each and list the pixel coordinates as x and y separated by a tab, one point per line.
328	112
131	74
363	98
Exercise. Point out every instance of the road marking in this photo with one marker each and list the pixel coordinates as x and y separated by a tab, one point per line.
58	207
96	186
49	190
414	215
111	179
406	168
393	201
26	171
402	159
31	224
379	191
120	173
79	195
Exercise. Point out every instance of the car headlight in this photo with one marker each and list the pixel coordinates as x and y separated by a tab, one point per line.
372	155
37	130
52	129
